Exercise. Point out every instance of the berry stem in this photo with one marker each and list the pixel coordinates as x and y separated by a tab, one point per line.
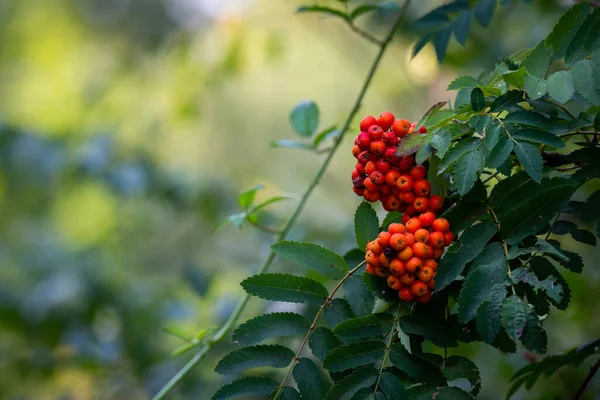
387	349
229	324
313	325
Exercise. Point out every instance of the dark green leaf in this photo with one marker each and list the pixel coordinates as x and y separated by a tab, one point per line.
423	40
313	257
452	393
461	27
507	101
324	135
487	270
345	388
391	217
550	285
492	135
309	379
560	86
289	393
249	386
423	153
392	387
466	170
410	144
304	117
514	316
534	337
379	287
515	78
540	247
336	311
440	42
538	61
246	199
456	152
584	80
354	257
590	210
463	214
322	342
254	356
504	191
463	82
563	32
488	318
354	355
429	328
368	326
574	263
431	114
266	326
472	242
530	158
528	118
358	295
538	136
285	287
418	368
322	10
585	33
360	10
366	224
501	151
483	11
535	87
477	100
421	392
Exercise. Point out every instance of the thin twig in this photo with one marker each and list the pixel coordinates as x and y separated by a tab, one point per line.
364	34
562	108
313	325
587	380
388	347
504	245
264	228
228	325
489	178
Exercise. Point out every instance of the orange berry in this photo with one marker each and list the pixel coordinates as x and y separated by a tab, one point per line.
431	264
441	225
370	269
436	202
397	267
405	183
413	225
407	197
437	239
405	254
382	272
385	120
427	218
421	204
371	196
422	235
394	282
407	279
422	187
419	288
425	274
448	237
425	298
366	122
418	172
370	167
396	228
383	239
377	147
431	284
421	250
437	253
410	239
385	262
401	127
405	294
413	264
391	177
405	218
398	242
374	247
356	150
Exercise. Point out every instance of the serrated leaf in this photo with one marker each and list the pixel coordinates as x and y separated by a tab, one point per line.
538	61
503	192
392	387
535	87
249	386
354	355
466	170
472	242
367	326
452	393
246	199
366	224
514	316
488	317
463	82
285	287
515	78
531	160
492	135
391	217
322	341
461	27
423	153
538	136
590	210
574	263
304	117
477	100
534	337
379	288
456	152
428	327
421	392
563	31
309	379
431	114
345	388
410	144
253	357
358	296
313	257
580	235
561	87
501	151
483	11
322	10
422	42
583	72
528	118
487	270
418	368
336	311
549	285
507	101
440	42
266	326
292	144
577	48
541	247
289	393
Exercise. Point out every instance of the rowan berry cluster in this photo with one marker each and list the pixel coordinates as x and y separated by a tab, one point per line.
406	253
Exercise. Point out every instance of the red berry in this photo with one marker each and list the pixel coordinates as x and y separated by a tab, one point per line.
424	298
356	151
406	162
410	210
412	225
394	282
390	138
377	177
422	250
441	225
383	239
383	166
405	294
396	228
427	218
367	122
385	120
385	189
418	172
370	167
375	132
371	196
391	203
390	155
421	204
372	186
407	279
422	129
397	267
422	235
448	238
360	168
437	239
363	140
405	218
392	177
436	202
407	197
359	191
422	187
363	157
377	147
413	264
400	127
405	183
398	241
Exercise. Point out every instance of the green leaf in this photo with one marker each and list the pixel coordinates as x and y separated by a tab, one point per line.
456	152
472	242
249	386
466	170
309	379
574	263
246	199
492	135
488	317
580	235
583	72
336	311
366	224
292	144
477	100
433	114
178	332
322	342
538	61
452	393
461	27
440	141
428	327
325	134
507	101
421	392
253	357
534	337
392	387
487	270
504	191
354	355
345	388
285	287
358	295
440	42
391	217
525	213
528	118
563	31
423	153
577	49
483	11
379	288
590	210
501	151
541	247
514	316
268	202
322	10
531	160
313	257
266	326
410	144
535	87
515	78
550	285
538	136
418	368
367	326
304	117
289	393
463	82
561	87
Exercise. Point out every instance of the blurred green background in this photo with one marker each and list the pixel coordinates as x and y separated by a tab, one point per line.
127	129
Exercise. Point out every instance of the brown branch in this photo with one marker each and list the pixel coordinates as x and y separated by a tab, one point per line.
587	380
